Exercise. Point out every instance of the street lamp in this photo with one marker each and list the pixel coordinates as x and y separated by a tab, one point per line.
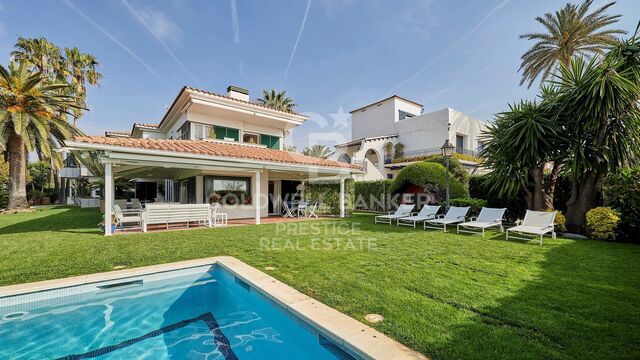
447	152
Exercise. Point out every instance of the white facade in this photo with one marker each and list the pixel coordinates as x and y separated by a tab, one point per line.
378	128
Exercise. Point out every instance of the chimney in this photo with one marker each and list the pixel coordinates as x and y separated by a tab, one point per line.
237	93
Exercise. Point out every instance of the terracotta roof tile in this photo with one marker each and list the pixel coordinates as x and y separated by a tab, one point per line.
153	126
117	133
242	101
216	148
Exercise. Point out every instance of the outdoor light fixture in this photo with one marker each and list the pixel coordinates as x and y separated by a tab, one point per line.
447	152
447	149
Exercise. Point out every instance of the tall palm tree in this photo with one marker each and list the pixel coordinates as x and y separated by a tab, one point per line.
32	116
571	31
42	54
276	100
318	150
81	69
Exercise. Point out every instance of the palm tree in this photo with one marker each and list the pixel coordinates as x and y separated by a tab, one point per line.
570	31
276	100
81	69
42	54
32	116
318	150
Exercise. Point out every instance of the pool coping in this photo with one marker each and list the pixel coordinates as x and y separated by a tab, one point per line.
346	331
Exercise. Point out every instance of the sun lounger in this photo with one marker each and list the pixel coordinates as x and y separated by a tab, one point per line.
403	210
453	216
536	223
488	217
426	213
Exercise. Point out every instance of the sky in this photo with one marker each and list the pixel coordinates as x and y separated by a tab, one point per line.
331	56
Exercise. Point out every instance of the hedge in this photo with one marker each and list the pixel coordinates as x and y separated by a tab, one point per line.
375	195
327	194
475	205
431	176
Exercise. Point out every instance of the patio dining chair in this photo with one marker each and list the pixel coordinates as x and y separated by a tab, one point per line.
218	217
311	210
301	209
287	211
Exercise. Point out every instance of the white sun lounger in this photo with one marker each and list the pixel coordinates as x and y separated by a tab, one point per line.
536	223
488	217
427	212
454	215
403	210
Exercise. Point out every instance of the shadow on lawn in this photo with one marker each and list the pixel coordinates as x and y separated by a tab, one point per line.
59	219
583	304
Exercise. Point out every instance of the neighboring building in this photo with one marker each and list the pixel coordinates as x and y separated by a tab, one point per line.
380	128
208	147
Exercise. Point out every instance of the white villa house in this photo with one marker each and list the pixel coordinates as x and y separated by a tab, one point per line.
205	147
378	128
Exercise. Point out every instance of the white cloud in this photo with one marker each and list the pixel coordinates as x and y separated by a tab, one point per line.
157	22
157	28
234	22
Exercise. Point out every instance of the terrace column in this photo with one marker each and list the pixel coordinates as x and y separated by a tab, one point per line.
256	197
108	198
341	197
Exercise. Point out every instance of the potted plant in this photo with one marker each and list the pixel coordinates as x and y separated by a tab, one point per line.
113	224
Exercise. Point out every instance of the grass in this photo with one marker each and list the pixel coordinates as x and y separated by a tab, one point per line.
445	295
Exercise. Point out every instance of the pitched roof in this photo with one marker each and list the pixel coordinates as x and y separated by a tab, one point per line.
385	99
117	133
216	148
242	101
149	126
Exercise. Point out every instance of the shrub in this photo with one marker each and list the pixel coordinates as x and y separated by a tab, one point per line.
602	223
399	151
560	222
373	195
622	192
327	194
4	197
431	176
516	207
475	205
455	166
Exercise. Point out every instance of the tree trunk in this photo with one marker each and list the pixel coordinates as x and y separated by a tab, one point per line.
584	197
17	157
542	196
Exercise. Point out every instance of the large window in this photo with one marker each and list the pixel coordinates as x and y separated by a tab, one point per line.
184	133
272	142
225	133
228	190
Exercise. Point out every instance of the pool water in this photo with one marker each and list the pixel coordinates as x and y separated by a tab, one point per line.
198	313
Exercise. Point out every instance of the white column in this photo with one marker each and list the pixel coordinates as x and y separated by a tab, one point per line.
341	197
200	190
256	197
108	198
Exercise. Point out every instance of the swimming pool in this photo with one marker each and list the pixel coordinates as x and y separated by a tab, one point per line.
202	312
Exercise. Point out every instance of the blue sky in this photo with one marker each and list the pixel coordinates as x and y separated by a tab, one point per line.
328	54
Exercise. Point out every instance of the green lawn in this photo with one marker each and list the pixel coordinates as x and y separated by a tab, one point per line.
446	295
